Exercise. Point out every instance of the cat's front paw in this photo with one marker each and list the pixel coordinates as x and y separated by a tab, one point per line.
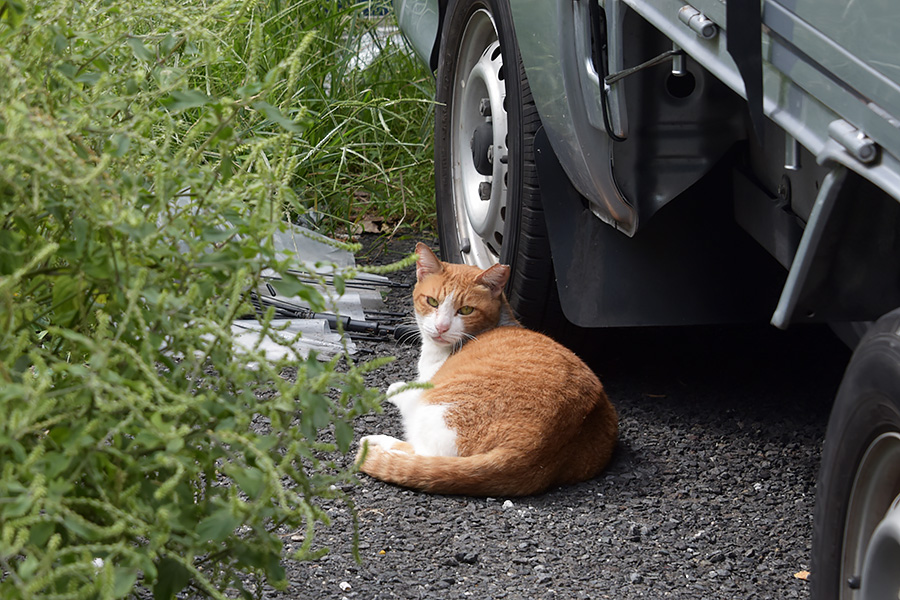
383	443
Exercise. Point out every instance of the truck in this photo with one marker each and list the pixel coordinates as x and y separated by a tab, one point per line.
656	162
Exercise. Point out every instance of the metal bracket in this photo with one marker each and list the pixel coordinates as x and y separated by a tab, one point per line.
809	242
698	22
858	144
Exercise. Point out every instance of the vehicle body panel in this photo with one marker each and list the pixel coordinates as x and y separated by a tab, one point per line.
831	92
625	182
801	95
553	40
419	21
855	42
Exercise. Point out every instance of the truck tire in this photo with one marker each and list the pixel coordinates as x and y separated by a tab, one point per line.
486	184
859	477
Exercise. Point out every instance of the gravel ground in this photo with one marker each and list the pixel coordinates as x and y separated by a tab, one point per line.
710	493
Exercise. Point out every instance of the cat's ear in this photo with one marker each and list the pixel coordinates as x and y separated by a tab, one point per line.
494	279
427	263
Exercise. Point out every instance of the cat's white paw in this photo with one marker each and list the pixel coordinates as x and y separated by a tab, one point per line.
383	441
377	448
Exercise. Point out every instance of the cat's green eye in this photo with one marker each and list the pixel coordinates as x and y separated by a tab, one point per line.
466	310
432	301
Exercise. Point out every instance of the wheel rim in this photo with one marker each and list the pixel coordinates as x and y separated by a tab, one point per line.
479	120
874	491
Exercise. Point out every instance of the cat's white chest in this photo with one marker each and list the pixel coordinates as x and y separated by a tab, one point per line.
431	358
424	424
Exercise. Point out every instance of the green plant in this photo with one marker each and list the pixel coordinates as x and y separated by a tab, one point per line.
371	128
148	152
367	147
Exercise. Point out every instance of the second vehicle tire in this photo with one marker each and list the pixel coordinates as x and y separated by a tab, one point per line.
859	477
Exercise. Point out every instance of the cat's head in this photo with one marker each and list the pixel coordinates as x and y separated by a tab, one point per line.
456	302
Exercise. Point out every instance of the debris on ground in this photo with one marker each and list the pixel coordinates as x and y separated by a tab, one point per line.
356	312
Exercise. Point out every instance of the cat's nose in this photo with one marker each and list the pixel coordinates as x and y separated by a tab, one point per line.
442	327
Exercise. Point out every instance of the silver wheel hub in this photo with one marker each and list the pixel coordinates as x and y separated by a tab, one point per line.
871	549
478	139
881	577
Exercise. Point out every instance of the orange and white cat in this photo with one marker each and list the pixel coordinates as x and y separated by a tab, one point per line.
511	412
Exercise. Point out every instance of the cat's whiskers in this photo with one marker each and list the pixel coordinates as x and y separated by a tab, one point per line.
408	330
407	336
466	337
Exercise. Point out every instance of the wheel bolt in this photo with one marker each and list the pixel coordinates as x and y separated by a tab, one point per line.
484	190
854	582
484	107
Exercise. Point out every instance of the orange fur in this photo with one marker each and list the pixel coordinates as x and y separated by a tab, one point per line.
528	414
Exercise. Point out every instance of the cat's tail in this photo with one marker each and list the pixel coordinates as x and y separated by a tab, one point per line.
499	472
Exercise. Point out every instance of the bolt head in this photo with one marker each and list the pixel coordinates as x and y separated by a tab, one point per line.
484	190
484	107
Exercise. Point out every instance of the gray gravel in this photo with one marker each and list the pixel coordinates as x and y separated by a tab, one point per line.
710	493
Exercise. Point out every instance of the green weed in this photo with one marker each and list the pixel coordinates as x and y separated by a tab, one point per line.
148	152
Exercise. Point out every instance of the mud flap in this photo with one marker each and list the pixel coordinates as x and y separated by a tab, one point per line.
691	264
